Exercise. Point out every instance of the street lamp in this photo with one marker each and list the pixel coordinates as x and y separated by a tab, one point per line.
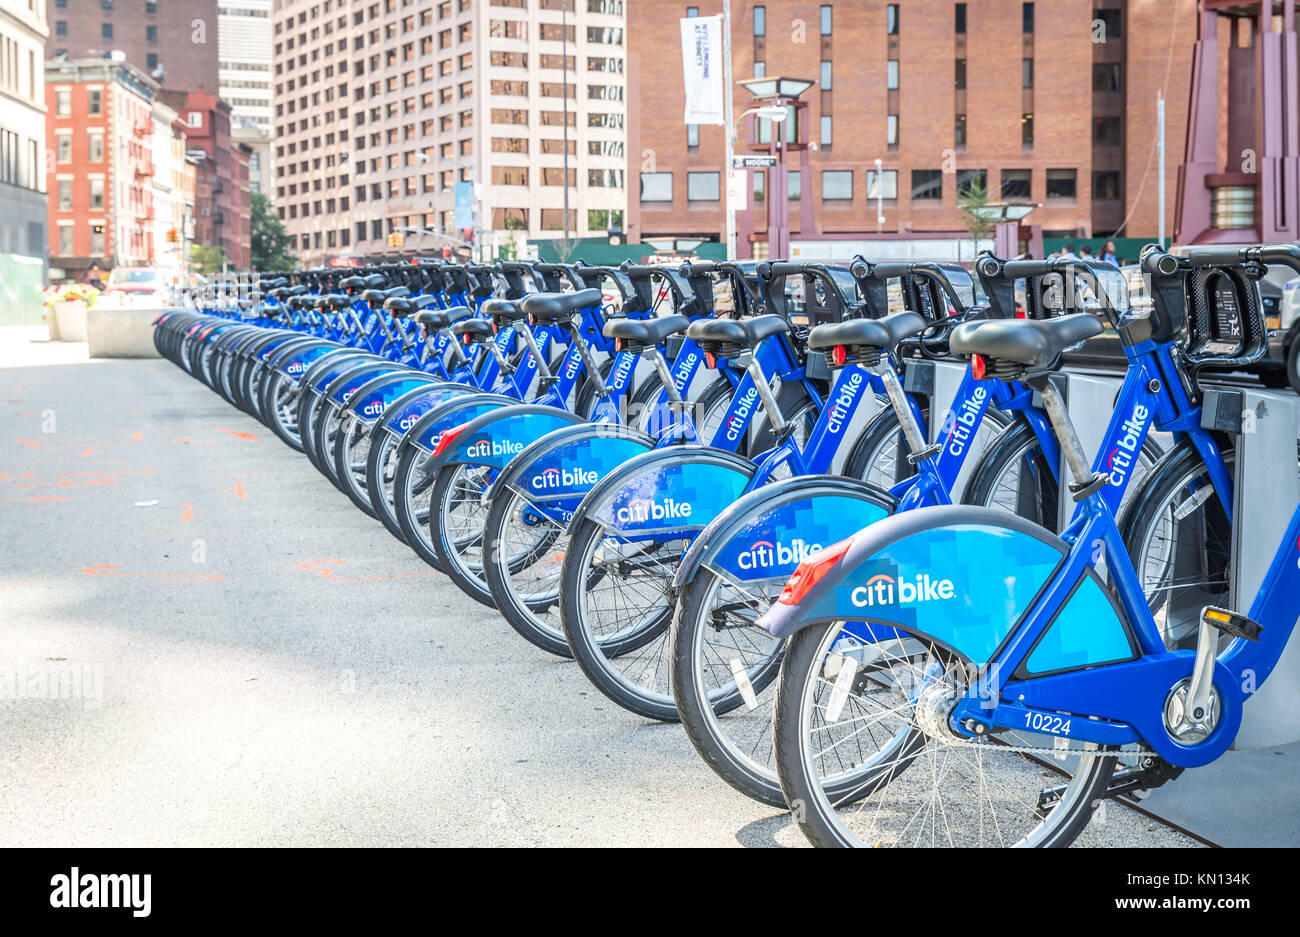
774	94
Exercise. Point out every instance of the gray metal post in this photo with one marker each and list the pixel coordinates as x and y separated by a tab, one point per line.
1266	489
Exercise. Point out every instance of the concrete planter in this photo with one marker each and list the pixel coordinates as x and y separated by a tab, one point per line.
122	332
70	321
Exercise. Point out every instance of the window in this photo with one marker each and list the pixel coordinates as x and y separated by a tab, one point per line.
891	74
1027	129
692	135
105	30
794	185
1106	76
1027	18
960	13
827	134
760	21
194	118
927	184
65	195
1026	73
891	129
960	74
1106	131
891	19
96	146
656	187
703	186
64	147
63	98
760	185
1016	183
65	240
94	102
1111	21
959	130
96	194
826	14
837	185
883	184
61	28
970	179
826	77
1105	185
151	34
1062	183
97	240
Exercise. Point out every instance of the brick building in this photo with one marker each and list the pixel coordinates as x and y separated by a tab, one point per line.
100	132
1049	104
221	198
174	42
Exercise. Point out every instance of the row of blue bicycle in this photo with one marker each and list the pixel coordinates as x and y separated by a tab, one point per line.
737	497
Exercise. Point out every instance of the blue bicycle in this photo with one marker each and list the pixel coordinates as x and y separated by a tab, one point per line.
960	676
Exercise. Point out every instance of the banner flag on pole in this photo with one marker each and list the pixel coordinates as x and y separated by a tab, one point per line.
702	69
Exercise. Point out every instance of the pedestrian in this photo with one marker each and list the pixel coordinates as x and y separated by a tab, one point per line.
95	276
1085	252
1108	253
1067	252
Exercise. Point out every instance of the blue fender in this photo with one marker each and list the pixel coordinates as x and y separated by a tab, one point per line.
673	488
768	532
352	380
404	412
296	361
371	401
560	468
280	345
428	429
963	577
326	369
497	437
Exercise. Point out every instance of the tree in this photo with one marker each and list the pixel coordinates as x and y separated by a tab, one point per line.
971	197
270	240
207	259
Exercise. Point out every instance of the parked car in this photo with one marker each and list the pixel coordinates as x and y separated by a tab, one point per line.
139	285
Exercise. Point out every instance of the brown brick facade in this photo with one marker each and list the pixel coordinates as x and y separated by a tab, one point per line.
1151	51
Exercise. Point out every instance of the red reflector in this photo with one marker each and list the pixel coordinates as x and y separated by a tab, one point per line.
839	355
618	344
1020	312
811	571
531	320
466	339
710	360
448	437
978	367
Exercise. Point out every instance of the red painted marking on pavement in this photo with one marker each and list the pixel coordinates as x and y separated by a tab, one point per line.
313	566
238	491
32	500
30	443
136	436
112	572
187	514
249	436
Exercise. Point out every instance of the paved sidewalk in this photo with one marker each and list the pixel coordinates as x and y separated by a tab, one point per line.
257	663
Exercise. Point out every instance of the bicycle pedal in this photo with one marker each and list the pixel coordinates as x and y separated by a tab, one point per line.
1239	626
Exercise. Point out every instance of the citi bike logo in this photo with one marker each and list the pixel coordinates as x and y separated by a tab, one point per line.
963	420
844	401
408	421
765	555
571	371
374	408
885	590
296	368
493	447
685	365
620	375
564	478
736	425
1122	456
642	510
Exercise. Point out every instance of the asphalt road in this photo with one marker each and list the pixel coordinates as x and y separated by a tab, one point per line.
248	660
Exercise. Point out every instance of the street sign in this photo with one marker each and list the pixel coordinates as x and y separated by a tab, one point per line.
753	162
738	190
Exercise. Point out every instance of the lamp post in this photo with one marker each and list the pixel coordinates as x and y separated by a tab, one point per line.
779	92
